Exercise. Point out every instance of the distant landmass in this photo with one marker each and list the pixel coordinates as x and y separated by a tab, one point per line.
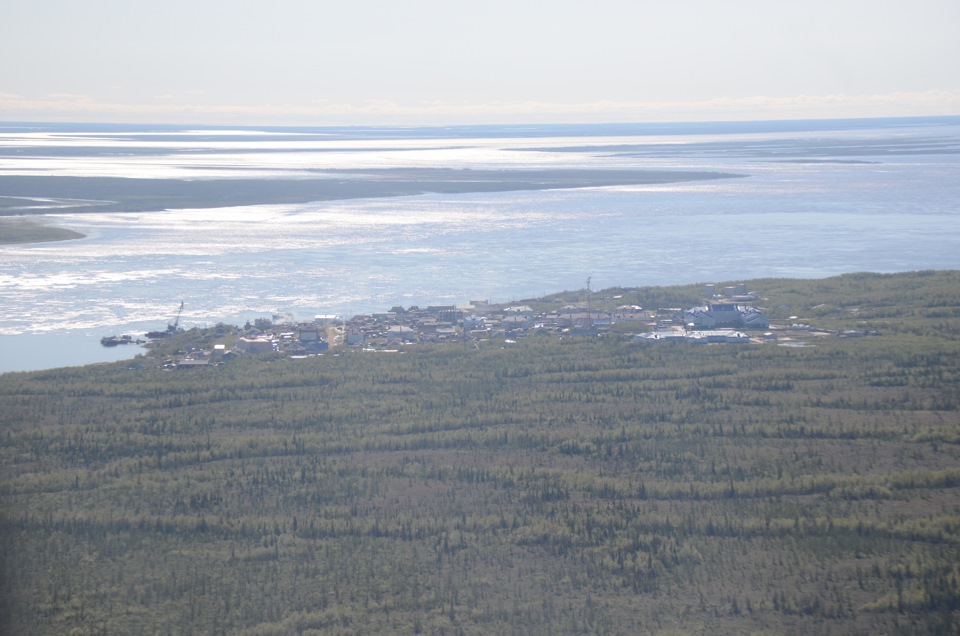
113	194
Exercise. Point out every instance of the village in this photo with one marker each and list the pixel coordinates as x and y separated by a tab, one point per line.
727	315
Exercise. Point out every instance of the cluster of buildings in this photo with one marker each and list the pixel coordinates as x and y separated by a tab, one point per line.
478	321
300	340
724	317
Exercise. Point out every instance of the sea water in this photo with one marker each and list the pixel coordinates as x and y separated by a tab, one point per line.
810	204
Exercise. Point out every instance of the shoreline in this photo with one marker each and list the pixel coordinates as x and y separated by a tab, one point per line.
118	194
27	352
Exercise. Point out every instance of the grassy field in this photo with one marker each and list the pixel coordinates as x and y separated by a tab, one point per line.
554	486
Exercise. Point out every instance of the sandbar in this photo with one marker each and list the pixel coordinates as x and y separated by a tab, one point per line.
21	230
115	194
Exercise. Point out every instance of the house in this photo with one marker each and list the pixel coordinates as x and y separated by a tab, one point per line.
439	335
428	325
516	322
400	333
551	319
355	336
581	319
445	313
472	323
601	319
630	313
256	345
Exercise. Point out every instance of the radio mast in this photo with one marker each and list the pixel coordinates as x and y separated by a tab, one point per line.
589	314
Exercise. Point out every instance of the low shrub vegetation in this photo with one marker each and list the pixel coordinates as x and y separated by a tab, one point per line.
554	486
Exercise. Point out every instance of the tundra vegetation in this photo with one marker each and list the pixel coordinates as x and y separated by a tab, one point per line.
552	486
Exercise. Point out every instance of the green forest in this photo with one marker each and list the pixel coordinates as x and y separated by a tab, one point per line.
575	485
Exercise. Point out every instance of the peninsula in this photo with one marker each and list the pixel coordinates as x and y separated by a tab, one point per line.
115	194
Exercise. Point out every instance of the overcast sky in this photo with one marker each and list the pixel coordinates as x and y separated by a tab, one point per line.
483	61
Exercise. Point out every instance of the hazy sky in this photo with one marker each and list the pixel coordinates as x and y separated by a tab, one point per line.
483	61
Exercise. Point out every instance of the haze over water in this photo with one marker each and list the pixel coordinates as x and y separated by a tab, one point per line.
816	199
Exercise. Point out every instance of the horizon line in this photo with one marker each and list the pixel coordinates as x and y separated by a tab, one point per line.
867	119
174	109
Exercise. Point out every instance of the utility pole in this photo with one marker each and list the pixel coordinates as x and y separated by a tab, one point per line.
589	313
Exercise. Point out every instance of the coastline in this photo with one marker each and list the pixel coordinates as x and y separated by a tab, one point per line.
54	350
117	194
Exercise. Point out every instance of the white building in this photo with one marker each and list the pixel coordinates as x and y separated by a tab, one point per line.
726	315
256	345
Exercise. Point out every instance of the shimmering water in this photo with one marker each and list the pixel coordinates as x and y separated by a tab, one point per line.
892	205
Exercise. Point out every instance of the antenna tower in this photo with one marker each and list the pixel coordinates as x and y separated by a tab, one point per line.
589	314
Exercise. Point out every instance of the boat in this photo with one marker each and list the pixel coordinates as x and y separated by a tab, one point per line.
113	341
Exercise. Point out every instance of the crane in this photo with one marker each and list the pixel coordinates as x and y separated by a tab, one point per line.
176	323
171	327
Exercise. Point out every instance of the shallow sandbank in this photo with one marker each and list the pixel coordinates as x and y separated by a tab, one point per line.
20	230
110	194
